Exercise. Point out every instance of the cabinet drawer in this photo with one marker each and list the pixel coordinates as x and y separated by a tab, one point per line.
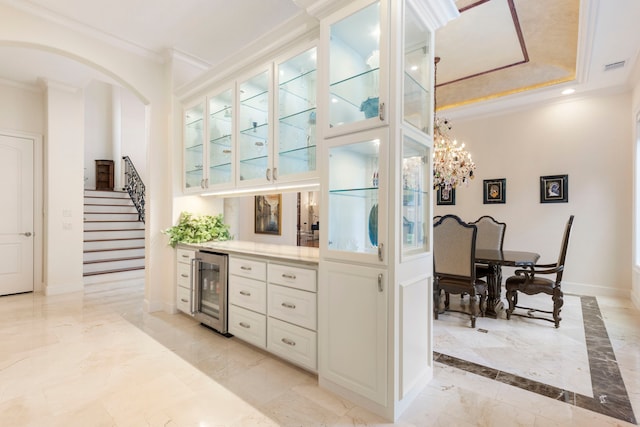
248	268
183	275
295	277
248	293
183	300
185	255
293	306
248	326
293	343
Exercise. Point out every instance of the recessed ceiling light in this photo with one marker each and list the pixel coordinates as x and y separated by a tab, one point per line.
568	91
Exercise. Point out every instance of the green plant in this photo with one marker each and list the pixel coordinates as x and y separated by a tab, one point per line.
197	229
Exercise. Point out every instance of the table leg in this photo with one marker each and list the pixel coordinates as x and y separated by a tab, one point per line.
494	285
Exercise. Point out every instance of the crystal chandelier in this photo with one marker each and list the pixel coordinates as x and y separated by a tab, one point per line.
452	164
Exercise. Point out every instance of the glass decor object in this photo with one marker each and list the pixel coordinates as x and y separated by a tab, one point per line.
193	146
417	72
220	141
297	114
415	195
354	67
353	197
253	125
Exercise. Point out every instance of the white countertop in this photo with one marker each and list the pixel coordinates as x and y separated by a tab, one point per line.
285	252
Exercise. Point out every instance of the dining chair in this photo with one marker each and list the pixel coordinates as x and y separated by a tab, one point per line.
454	265
528	281
490	236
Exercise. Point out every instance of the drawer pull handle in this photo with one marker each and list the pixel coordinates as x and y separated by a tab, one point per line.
245	293
245	325
287	341
289	276
245	268
185	256
184	300
288	305
184	275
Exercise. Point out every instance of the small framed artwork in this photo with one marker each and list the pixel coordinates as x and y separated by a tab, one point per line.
554	189
494	191
268	214
446	196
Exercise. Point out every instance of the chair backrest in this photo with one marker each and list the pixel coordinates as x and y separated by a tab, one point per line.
490	233
454	246
563	249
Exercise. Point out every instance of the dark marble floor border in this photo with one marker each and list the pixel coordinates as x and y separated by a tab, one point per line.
610	394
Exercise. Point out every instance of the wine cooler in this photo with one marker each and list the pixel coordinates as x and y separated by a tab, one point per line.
210	290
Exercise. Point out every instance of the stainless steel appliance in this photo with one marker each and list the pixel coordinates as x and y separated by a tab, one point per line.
209	304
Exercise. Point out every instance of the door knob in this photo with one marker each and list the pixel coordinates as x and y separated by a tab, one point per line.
28	234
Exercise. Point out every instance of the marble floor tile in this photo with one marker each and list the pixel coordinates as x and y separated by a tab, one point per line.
96	359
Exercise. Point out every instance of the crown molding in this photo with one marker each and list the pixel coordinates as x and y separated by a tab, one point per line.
435	13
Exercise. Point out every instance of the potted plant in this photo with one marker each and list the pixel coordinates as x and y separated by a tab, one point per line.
197	229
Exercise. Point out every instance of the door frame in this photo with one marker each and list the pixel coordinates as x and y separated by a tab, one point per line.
38	203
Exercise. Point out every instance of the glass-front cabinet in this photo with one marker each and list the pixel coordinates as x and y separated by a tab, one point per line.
417	67
357	71
193	155
254	137
220	141
296	116
356	205
416	202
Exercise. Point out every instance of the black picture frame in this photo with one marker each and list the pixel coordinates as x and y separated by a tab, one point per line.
446	197
494	191
554	189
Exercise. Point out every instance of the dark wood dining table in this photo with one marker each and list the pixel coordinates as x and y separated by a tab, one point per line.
496	259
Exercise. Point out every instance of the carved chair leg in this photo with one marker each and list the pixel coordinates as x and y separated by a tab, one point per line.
483	304
558	302
436	303
512	296
446	300
472	305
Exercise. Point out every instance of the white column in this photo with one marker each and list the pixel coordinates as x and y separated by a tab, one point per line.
116	143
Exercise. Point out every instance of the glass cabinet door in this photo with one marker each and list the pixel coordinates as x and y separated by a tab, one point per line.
194	147
354	67
220	138
416	204
253	127
296	149
356	201
417	110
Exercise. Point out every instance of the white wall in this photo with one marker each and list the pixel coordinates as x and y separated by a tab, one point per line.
98	130
64	189
133	138
21	108
634	118
588	139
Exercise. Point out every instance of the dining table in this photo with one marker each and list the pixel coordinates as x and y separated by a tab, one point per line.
495	259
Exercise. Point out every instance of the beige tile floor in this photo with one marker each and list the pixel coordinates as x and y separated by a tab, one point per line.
95	359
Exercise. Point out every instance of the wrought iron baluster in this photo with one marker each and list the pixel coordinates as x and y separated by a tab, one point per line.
134	186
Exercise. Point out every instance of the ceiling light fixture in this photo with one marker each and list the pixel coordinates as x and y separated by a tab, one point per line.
452	164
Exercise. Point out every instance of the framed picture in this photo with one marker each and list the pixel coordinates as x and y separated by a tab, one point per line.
554	189
446	197
268	214
494	191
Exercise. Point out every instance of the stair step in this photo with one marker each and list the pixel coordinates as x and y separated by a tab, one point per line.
111	216
112	264
113	225
113	253
110	208
113	234
106	244
107	194
106	272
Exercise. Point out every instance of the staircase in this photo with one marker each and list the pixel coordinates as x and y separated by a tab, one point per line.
113	237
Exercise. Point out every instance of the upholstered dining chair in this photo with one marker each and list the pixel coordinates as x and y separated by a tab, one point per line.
530	282
490	236
454	265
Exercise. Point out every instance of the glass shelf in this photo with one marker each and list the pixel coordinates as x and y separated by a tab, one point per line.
193	178
417	104
219	174
354	98
223	141
416	204
418	66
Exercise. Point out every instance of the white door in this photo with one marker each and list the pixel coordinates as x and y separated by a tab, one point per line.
16	214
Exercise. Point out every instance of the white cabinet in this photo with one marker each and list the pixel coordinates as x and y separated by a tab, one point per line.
273	305
353	342
194	147
184	272
247	300
376	104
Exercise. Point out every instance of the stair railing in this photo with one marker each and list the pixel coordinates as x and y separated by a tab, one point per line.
134	186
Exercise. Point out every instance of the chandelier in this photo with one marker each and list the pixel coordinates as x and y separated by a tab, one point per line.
452	164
